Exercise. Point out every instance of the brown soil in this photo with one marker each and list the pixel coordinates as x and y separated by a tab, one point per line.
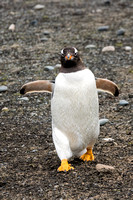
28	161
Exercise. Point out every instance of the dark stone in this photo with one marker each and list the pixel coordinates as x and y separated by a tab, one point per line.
103	28
107	2
34	22
121	32
44	39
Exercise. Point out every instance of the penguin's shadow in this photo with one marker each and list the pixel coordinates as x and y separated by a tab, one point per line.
77	162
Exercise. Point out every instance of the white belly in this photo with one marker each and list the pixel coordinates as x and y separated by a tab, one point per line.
75	108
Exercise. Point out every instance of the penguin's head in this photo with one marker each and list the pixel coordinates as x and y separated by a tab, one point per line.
69	57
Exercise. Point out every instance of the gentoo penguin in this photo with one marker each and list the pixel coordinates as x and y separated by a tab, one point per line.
74	106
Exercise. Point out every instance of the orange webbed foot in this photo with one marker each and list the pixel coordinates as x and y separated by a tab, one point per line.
88	156
65	166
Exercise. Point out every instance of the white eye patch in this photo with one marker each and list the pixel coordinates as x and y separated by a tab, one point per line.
62	51
75	50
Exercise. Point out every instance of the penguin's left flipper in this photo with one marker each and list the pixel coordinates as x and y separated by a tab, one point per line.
37	86
105	85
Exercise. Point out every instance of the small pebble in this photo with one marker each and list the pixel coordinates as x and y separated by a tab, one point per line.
33	114
98	10
24	98
103	121
3	88
34	150
123	102
108	139
108	48
39	7
90	46
48	68
46	33
58	66
128	48
44	39
103	28
121	32
12	27
5	109
107	2
130	95
34	22
104	168
15	46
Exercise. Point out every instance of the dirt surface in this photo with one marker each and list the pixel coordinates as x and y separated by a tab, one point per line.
28	160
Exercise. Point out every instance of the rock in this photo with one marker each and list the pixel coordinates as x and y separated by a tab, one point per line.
90	46
108	139
44	39
39	7
123	102
103	28
15	46
46	33
58	66
34	22
3	88
103	121
104	168
107	2
130	95
24	98
108	48
16	70
98	10
12	27
128	48
121	32
34	150
48	68
5	109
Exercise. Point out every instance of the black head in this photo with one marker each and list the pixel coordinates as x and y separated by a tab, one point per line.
69	57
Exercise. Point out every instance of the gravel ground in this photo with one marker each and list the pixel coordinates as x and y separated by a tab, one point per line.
28	160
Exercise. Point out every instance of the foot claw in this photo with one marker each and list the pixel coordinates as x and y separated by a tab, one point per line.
88	156
65	166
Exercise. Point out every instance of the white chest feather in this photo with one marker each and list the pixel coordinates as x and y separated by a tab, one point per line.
75	108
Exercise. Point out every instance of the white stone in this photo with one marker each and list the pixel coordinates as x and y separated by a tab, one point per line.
103	121
5	109
104	168
39	7
12	27
90	46
108	48
48	68
24	98
58	66
3	88
108	139
128	48
123	102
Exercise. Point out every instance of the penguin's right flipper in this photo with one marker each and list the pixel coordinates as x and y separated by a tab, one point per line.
37	86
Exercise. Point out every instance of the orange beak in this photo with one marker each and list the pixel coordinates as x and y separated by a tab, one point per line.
68	57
